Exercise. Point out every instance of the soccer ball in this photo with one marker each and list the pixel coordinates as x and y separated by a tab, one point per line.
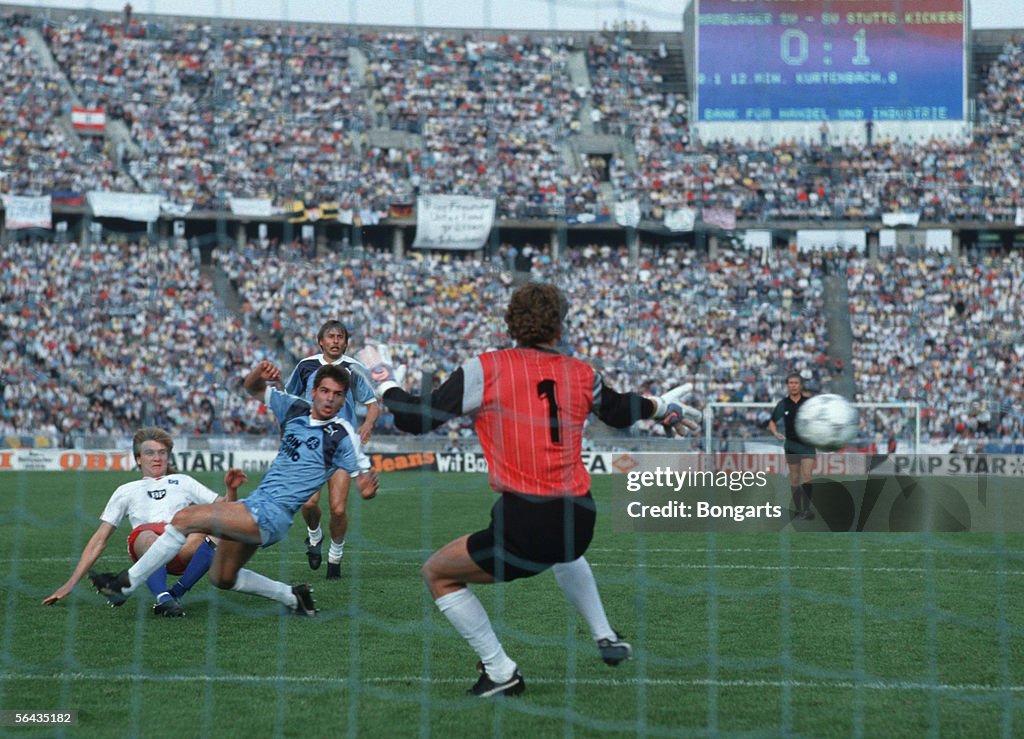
827	422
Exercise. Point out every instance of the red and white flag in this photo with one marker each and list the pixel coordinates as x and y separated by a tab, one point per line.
88	119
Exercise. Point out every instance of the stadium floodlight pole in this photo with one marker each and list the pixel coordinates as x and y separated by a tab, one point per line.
917	428
708	419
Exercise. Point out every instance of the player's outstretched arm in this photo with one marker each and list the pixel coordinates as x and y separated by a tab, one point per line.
412	413
260	376
620	410
93	549
675	415
366	430
368	484
234	478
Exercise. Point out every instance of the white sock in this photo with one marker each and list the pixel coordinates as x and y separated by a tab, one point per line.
159	553
336	552
579	587
315	535
467	615
253	583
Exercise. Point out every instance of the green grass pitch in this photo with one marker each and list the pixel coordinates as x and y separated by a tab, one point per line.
809	635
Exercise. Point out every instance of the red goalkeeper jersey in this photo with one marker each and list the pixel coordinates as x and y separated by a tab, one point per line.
530	422
529	407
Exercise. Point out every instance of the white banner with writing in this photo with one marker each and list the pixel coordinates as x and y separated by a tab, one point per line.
680	219
819	239
21	211
902	218
627	213
939	239
253	207
128	205
453	221
757	239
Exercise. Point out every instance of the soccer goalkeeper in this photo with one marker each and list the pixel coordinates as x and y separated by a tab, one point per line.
529	404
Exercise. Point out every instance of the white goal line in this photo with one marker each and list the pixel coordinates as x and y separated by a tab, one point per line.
880	685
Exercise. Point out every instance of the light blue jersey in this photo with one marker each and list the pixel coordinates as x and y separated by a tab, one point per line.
310	452
360	391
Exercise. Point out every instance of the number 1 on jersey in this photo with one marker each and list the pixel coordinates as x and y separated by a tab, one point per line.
546	390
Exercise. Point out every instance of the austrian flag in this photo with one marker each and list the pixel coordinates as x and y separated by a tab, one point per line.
88	119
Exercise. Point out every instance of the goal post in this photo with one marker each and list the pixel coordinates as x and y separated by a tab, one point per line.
751	418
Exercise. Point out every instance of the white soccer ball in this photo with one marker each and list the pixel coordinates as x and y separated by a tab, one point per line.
826	422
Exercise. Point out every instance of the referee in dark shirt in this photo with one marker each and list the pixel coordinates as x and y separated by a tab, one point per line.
799	456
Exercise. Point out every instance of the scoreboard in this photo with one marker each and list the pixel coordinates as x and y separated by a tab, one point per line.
830	60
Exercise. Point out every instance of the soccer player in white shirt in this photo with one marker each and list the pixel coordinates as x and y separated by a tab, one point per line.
317	447
149	504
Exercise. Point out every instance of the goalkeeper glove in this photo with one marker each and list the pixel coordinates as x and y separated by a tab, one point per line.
675	415
378	361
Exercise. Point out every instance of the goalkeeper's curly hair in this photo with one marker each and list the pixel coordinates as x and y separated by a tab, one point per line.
534	315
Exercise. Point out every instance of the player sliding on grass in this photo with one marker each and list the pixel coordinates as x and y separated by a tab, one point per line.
149	504
529	404
316	447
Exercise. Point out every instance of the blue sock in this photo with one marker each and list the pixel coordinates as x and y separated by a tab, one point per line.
194	571
157	583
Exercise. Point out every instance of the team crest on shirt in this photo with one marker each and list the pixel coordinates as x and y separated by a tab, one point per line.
312	443
157	494
172	481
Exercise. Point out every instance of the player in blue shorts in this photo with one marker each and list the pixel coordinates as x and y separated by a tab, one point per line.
332	339
316	447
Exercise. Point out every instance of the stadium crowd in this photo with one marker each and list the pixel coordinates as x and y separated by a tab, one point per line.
155	344
222	111
491	112
932	329
945	333
38	154
283	112
259	113
101	340
730	324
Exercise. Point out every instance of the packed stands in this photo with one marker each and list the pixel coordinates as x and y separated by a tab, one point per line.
732	324
99	340
156	343
249	111
283	112
943	332
215	111
37	153
491	111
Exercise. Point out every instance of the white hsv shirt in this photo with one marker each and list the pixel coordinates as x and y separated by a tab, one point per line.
155	499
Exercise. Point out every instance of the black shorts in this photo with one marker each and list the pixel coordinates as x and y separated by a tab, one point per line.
529	533
797	451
